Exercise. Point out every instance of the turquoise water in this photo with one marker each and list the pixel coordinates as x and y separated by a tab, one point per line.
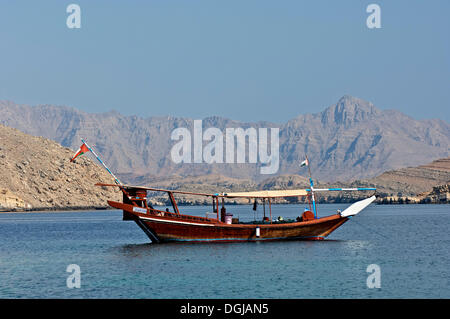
410	244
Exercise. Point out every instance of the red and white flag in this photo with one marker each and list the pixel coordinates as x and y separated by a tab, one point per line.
83	149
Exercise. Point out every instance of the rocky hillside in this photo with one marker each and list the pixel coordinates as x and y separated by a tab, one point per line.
10	201
439	194
35	173
349	140
412	181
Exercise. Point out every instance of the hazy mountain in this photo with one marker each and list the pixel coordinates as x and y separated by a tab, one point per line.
349	140
353	139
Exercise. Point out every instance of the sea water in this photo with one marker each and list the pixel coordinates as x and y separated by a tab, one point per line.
408	244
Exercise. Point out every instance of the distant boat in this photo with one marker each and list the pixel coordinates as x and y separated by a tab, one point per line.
163	226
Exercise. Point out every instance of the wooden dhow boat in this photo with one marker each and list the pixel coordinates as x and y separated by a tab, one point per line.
166	226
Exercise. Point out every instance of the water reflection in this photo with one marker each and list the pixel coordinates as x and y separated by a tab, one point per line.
356	245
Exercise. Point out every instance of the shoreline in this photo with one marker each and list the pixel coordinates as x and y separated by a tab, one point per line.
50	209
91	208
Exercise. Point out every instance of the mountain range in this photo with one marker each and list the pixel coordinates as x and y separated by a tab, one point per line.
35	173
349	140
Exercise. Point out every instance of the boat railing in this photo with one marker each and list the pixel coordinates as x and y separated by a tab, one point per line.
161	213
209	213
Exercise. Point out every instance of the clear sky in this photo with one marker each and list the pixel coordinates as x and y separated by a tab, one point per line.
243	59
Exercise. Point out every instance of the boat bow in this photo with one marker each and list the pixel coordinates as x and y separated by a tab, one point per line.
357	207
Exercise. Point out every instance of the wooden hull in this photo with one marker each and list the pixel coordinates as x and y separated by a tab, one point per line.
184	228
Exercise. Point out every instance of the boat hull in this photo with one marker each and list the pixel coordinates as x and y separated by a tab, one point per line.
183	229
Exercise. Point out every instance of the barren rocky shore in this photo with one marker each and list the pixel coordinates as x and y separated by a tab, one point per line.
36	173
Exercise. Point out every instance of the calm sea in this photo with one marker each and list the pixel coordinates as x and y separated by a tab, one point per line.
409	243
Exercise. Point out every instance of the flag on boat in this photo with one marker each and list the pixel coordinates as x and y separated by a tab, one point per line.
304	163
83	149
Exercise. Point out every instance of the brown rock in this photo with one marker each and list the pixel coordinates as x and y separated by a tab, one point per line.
36	173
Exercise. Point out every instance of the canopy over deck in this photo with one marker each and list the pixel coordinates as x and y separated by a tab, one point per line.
267	194
255	194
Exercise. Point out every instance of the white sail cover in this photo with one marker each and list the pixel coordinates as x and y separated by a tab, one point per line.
269	194
358	206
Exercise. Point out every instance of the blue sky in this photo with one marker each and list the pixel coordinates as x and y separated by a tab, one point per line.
247	60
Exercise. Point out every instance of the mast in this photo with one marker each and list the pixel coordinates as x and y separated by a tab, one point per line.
101	162
270	209
312	188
